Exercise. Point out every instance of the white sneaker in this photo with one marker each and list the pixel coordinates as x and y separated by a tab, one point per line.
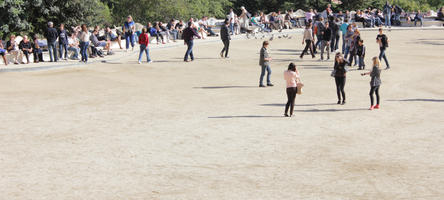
150	61
140	62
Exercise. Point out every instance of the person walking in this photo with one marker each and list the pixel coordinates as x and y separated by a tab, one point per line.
348	40
264	62
225	37
84	43
383	41
354	47
387	10
339	72
63	42
188	37
308	40
334	27
144	41
292	78
129	28
51	37
325	43
375	82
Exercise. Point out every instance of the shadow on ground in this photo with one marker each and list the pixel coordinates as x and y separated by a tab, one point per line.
420	100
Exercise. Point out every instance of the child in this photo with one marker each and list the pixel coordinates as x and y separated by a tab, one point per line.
375	82
360	52
144	41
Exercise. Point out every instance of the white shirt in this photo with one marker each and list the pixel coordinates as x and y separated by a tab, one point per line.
84	36
231	18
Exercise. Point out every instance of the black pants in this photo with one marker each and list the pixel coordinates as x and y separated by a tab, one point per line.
26	55
340	84
374	89
308	45
226	47
291	95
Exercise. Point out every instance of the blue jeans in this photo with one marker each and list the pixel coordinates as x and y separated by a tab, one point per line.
76	52
382	55
84	50
418	19
268	69
343	43
387	19
189	51
129	38
361	62
232	28
52	51
347	51
145	49
174	32
61	47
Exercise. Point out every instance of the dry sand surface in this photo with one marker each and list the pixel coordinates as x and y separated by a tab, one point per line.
204	130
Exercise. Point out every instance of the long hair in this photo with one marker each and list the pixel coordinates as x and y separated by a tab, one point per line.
376	62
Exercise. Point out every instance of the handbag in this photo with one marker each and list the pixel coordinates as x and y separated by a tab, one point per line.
299	87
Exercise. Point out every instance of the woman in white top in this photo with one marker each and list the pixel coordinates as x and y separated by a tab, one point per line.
292	79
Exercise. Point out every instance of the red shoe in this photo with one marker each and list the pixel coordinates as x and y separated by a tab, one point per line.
377	106
371	108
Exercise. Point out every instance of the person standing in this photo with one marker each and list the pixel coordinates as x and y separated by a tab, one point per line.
387	10
292	78
308	40
360	52
129	28
231	20
264	62
383	41
375	82
225	37
318	30
26	46
63	42
344	27
353	48
339	72
51	36
144	41
188	36
84	43
325	43
334	33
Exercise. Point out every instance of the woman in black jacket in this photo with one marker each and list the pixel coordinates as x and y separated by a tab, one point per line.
339	72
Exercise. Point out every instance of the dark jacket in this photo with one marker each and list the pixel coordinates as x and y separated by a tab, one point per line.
224	34
63	37
23	45
326	34
340	69
51	34
360	51
188	34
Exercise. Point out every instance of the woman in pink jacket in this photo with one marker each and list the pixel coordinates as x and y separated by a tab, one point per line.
292	79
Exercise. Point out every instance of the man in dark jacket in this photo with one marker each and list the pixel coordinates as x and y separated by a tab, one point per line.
225	37
325	43
63	42
334	33
51	36
188	37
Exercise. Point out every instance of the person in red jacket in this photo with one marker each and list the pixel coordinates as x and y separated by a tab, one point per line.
144	41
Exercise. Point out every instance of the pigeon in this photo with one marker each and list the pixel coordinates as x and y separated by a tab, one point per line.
272	37
279	37
289	37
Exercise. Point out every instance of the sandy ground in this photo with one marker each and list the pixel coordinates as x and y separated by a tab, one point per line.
204	130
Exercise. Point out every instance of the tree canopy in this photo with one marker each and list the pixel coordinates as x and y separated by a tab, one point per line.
32	15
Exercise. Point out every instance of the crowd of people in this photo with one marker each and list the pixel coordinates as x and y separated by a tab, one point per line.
323	31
